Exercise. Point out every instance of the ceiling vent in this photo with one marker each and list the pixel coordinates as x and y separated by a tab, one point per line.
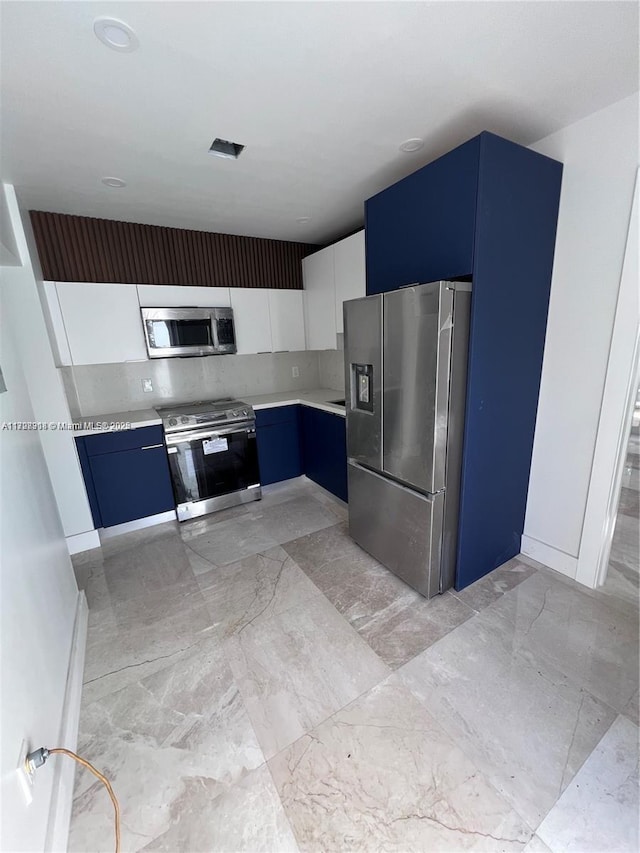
224	148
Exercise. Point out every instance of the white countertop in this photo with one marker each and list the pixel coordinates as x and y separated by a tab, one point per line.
317	398
111	422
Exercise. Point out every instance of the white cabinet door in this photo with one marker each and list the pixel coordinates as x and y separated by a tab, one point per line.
178	295
102	322
320	308
350	276
55	323
251	319
286	308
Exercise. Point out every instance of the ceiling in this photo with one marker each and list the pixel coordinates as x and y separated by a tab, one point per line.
321	94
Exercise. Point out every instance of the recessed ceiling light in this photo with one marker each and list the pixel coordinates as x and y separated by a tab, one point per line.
115	34
302	220
411	145
226	149
115	183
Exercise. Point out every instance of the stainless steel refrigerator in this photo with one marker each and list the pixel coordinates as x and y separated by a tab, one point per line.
405	373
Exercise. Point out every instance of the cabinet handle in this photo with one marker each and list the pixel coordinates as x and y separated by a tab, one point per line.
151	446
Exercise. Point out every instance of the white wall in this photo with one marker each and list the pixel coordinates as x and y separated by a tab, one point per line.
600	156
25	317
38	598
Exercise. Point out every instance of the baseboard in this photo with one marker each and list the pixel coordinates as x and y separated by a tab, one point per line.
138	524
83	542
549	556
64	768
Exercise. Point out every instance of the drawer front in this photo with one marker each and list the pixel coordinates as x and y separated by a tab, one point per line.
278	415
130	439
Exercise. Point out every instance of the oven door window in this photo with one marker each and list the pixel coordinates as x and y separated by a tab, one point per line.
180	333
210	466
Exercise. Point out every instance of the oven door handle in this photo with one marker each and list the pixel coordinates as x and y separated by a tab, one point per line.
195	435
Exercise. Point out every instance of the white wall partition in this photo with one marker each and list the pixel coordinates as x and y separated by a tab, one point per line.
39	606
24	315
600	156
620	391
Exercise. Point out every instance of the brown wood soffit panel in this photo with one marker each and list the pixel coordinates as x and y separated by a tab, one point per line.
81	248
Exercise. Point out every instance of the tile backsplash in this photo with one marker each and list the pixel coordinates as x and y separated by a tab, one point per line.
331	369
98	389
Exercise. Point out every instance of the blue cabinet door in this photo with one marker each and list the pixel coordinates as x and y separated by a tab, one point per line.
422	228
324	450
131	484
278	439
518	200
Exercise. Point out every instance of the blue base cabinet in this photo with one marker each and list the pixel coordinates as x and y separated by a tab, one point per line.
485	212
278	439
295	440
324	450
126	475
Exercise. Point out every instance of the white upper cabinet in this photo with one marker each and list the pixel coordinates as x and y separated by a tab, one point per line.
177	296
320	308
349	272
251	319
286	308
55	324
102	322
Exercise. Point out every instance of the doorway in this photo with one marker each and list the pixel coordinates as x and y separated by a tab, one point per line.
623	570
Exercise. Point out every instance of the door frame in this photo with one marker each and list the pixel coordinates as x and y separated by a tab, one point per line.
620	390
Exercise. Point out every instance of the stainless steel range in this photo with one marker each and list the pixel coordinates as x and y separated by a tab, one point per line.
212	455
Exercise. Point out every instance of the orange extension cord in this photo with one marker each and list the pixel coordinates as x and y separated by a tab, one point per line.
103	779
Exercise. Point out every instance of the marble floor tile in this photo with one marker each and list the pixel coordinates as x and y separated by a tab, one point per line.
536	846
292	519
119	652
248	817
632	708
156	738
111	544
580	635
625	546
382	774
212	646
395	620
315	553
297	668
600	808
407	625
231	541
303	487
493	586
621	584
631	478
525	724
629	502
240	594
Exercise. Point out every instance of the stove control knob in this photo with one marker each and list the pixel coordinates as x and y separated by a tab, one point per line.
172	422
184	419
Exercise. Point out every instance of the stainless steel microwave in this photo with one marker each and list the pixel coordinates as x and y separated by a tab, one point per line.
180	332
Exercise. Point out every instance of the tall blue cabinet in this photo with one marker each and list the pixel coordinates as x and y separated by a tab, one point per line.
486	212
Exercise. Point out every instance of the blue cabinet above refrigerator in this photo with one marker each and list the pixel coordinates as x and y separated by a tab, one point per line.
487	212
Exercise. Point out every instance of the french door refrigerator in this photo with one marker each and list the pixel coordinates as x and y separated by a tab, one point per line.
405	373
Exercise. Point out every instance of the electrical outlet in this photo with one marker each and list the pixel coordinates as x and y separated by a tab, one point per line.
25	774
295	372
147	385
